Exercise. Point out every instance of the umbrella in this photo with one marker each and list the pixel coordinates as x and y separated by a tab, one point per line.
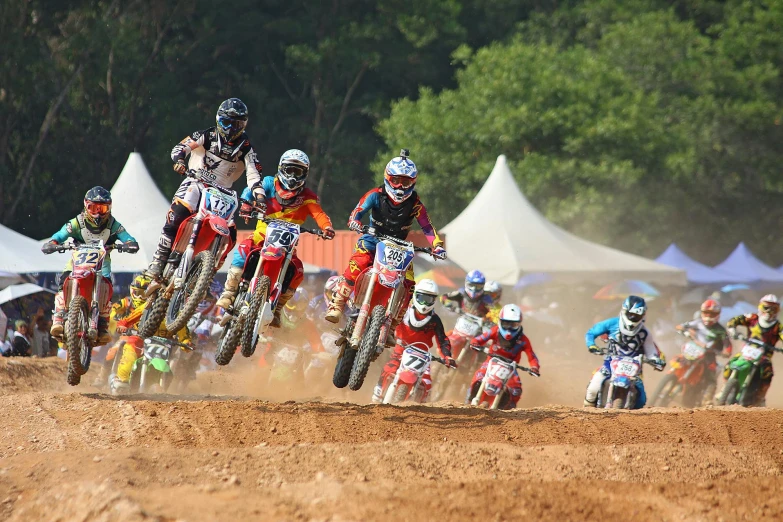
623	289
739	308
533	278
731	288
16	291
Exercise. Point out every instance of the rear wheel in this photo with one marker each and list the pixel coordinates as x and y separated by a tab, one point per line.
185	300
229	338
367	348
728	395
77	343
253	321
663	393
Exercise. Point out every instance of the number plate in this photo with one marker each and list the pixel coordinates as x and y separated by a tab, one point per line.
414	360
626	368
499	370
693	351
395	256
751	352
328	342
218	203
287	356
467	326
282	234
156	351
87	257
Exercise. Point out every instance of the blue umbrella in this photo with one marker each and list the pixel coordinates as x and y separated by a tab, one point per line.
622	289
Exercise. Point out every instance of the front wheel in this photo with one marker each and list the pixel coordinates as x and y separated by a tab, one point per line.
400	394
664	392
153	315
229	340
77	343
254	317
748	394
185	300
367	348
728	395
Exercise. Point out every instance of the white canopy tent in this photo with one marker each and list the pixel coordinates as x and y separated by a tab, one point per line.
503	235
20	254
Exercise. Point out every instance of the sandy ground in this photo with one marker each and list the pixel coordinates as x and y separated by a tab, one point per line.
232	453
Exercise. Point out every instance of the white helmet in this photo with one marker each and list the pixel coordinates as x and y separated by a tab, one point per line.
632	315
509	321
425	293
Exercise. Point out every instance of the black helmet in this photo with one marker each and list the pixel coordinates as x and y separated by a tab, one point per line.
231	118
97	207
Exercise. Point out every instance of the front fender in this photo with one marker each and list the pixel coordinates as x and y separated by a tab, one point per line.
162	365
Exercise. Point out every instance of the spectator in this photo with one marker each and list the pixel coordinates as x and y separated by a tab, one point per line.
6	346
21	341
40	337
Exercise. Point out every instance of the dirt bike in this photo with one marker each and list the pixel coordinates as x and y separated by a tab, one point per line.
685	377
468	326
379	293
84	291
744	379
493	387
619	389
287	362
406	383
114	355
202	241
154	367
263	280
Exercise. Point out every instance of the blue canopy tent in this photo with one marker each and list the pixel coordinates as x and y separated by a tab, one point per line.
696	272
748	269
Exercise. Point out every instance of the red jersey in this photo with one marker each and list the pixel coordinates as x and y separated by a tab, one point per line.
509	349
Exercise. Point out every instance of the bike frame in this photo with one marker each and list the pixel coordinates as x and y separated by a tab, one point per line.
408	376
88	282
500	384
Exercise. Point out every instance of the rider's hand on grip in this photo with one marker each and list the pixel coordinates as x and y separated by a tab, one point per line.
439	252
476	347
658	365
50	247
329	233
449	362
130	247
180	167
354	225
594	349
534	372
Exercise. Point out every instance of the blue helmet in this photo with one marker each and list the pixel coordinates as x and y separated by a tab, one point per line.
632	315
474	284
399	178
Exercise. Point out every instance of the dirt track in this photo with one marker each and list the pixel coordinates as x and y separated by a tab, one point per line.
88	456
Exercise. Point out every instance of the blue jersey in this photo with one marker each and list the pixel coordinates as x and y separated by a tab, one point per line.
626	345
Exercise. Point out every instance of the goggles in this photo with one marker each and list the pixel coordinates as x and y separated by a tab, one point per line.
97	209
634	318
231	124
401	181
294	171
510	325
425	299
769	309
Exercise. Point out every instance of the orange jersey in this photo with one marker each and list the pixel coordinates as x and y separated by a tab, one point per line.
305	204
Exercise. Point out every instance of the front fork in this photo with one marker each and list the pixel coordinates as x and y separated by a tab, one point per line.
187	256
364	311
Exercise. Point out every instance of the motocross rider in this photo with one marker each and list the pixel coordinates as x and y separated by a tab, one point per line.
765	327
94	223
708	331
419	324
508	340
470	299
392	207
628	336
285	197
220	154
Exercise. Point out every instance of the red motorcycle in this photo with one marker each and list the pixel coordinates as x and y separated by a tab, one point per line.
468	326
85	292
685	376
493	386
203	240
260	288
379	294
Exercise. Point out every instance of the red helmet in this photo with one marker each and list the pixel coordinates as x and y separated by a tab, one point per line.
710	312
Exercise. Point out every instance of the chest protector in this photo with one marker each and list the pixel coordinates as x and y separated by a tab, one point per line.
628	346
89	236
394	220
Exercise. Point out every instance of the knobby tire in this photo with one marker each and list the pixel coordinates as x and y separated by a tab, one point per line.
260	297
203	270
367	348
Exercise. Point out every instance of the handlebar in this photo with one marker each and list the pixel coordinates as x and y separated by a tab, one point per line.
196	174
367	229
518	366
256	213
757	342
75	245
172	342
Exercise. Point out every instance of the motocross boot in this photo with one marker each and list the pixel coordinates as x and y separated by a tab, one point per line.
588	404
159	258
376	394
119	387
59	316
230	292
336	306
104	337
284	298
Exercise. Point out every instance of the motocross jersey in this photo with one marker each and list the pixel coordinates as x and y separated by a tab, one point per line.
76	228
395	220
305	205
479	307
714	338
432	329
512	349
625	345
219	161
770	335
